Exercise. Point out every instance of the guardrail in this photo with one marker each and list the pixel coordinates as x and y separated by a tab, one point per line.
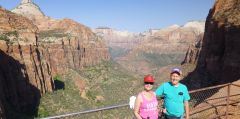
87	111
210	102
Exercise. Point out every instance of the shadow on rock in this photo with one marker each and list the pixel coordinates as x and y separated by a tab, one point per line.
20	99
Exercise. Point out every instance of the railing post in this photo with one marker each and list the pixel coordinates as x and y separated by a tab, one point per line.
228	96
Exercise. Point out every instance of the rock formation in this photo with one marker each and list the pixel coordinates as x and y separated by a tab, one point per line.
26	1
193	51
220	53
155	44
33	49
75	44
24	73
173	38
120	39
28	8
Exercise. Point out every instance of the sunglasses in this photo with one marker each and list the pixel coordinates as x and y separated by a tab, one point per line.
151	83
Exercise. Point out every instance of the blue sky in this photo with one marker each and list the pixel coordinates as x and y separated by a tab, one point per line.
131	15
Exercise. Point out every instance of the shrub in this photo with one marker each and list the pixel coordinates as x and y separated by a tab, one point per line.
4	37
52	33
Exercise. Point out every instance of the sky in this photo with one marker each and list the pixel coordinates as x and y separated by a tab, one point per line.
130	15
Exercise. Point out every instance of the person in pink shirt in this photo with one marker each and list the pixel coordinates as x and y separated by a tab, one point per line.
146	104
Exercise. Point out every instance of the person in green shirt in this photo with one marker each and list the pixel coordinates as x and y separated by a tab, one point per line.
175	95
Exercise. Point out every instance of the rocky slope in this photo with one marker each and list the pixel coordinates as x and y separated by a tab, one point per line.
33	49
219	55
162	47
24	73
121	39
75	44
173	39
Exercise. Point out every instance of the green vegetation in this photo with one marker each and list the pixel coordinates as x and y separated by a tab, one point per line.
52	33
57	77
108	81
5	36
117	52
111	81
12	33
160	60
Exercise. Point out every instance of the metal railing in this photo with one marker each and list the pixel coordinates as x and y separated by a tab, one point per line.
209	103
215	102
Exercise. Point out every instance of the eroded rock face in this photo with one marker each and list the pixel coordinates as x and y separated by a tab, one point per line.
28	8
118	39
193	52
68	44
220	52
73	43
24	73
35	48
172	41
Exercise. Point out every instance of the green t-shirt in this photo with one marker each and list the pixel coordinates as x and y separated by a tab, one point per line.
174	98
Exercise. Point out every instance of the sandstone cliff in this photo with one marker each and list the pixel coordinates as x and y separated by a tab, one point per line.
161	47
33	49
220	53
73	43
173	39
120	39
24	72
68	44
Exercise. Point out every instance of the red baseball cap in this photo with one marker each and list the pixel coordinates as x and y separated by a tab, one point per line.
149	78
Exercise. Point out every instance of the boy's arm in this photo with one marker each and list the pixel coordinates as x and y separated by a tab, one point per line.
186	106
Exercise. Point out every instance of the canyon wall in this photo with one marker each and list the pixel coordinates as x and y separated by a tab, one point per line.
35	48
24	73
219	52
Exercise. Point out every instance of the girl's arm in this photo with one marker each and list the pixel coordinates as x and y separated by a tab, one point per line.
137	106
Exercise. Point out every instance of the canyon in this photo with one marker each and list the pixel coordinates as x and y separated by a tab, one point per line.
34	48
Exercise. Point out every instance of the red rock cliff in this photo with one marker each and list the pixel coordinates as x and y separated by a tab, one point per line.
71	45
220	52
68	44
24	73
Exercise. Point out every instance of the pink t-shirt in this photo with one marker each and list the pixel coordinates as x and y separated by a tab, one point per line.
148	108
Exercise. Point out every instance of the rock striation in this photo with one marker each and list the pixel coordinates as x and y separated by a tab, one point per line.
121	39
28	8
219	53
173	39
24	73
75	44
158	45
33	49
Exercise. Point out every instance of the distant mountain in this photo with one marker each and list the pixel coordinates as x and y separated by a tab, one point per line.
121	39
161	47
